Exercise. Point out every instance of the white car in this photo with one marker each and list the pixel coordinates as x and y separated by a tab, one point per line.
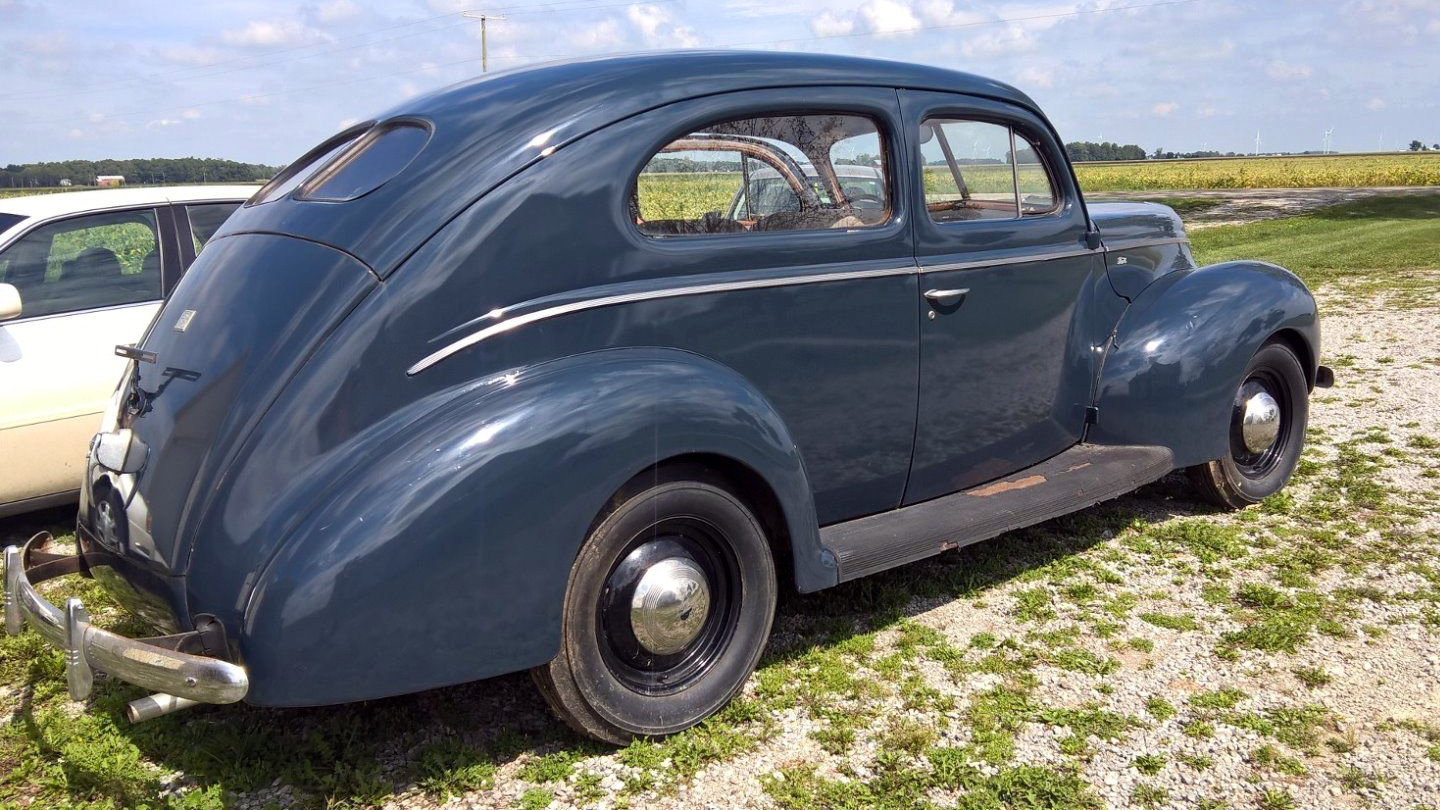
79	273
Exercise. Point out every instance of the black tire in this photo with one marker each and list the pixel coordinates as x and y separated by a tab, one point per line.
1245	476
606	683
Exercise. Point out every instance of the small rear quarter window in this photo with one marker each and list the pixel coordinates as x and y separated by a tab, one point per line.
379	155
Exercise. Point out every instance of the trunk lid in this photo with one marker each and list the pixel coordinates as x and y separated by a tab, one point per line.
245	318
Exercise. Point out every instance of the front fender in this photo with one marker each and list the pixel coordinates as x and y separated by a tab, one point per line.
1170	374
446	558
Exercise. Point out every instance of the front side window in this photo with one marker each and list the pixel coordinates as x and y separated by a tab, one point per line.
776	173
206	219
981	170
87	262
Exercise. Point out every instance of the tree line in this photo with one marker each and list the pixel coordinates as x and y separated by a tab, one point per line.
1089	150
146	171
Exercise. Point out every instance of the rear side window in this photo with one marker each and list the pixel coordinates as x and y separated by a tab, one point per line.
772	173
87	262
380	154
982	170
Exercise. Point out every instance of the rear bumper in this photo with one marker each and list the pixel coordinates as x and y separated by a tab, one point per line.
155	664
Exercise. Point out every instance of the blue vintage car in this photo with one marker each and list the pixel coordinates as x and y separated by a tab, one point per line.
574	368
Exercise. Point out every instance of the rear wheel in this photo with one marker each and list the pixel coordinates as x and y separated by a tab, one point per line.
667	611
1266	432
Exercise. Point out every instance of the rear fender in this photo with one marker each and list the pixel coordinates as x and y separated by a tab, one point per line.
1170	374
445	559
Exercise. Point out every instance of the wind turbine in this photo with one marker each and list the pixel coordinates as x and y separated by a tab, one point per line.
1328	140
1257	143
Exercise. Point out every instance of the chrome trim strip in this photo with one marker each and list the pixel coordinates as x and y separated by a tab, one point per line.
1133	244
1032	257
629	298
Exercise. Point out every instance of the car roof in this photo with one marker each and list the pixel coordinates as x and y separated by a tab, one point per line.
63	203
487	129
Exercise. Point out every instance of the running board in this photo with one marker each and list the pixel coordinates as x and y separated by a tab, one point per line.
1082	476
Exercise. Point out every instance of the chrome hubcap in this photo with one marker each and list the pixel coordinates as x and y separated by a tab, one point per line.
670	605
1260	422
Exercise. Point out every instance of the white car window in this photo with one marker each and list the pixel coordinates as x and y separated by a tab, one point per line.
206	219
85	262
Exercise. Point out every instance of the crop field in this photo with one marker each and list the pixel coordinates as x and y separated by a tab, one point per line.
1148	652
1314	171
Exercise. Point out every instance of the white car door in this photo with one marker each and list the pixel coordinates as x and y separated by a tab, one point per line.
86	283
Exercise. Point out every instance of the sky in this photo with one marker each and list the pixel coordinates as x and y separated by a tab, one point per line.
263	80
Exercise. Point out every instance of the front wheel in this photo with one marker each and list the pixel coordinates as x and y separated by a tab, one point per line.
668	608
1266	432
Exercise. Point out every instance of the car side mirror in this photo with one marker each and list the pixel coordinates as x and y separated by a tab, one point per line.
9	302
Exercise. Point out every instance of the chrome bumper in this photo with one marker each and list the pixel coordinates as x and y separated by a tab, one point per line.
88	648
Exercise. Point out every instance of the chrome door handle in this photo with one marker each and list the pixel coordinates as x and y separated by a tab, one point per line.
946	298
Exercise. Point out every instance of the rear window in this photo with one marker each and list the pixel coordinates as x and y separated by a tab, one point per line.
301	170
381	154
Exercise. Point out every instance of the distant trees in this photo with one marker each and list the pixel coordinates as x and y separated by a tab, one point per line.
1419	146
1088	150
136	171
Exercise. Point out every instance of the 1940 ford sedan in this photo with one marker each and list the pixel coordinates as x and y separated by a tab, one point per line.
573	368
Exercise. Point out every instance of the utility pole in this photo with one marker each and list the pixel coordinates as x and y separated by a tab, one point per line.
484	45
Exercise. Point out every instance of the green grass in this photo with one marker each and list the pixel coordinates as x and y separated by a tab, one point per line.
1370	245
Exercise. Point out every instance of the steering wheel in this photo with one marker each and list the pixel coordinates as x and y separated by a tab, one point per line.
870	201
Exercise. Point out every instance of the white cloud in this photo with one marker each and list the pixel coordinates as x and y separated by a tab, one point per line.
1375	104
337	11
190	115
829	24
1036	77
1281	70
889	16
1011	39
190	55
1165	108
943	12
601	35
271	33
659	27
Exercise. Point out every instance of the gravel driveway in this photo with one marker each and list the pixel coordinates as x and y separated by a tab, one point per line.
1148	652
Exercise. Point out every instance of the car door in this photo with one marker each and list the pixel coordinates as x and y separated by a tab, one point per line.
831	345
86	283
1006	350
